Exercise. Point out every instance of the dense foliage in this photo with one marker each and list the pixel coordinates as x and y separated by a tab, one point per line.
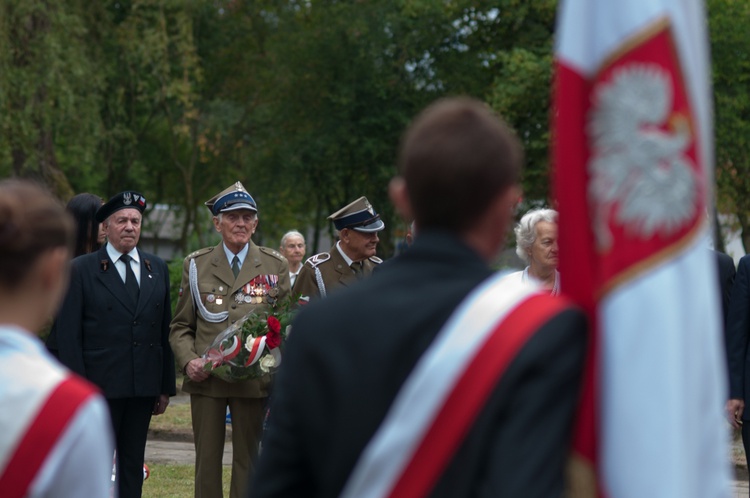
304	101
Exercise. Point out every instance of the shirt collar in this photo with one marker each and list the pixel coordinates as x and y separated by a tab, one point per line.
348	260
240	255
114	254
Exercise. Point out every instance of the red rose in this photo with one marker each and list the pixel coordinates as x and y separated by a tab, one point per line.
274	325
273	337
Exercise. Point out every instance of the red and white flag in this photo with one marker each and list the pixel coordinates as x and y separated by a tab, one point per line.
633	162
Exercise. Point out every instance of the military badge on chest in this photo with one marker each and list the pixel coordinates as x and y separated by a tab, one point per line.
261	289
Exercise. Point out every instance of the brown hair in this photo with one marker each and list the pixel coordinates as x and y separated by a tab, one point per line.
456	157
83	208
31	222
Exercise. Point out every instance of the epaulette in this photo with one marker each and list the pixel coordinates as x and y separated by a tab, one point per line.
200	252
375	260
271	252
318	258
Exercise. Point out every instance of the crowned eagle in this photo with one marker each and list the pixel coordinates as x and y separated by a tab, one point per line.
641	176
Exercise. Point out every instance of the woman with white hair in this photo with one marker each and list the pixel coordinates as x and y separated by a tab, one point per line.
536	245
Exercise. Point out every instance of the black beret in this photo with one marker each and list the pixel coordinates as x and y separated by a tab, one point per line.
123	200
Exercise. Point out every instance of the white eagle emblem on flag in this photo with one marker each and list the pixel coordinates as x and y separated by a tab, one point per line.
641	175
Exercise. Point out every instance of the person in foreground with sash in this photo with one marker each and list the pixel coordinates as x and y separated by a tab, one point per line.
436	376
56	438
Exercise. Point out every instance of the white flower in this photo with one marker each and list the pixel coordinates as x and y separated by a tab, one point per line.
267	362
288	330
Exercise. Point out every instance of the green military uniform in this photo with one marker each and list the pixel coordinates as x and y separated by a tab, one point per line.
334	273
212	299
329	271
191	333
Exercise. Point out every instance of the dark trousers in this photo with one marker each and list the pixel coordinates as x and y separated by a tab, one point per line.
130	420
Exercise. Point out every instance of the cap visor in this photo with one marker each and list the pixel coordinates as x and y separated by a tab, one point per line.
239	205
376	226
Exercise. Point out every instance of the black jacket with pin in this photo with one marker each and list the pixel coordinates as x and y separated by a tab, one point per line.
99	333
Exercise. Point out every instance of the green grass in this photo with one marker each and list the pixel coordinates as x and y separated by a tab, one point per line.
175	481
176	420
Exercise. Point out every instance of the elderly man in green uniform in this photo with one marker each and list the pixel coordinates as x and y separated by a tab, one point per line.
212	297
350	259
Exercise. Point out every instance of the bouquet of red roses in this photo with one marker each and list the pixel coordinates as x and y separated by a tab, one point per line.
251	347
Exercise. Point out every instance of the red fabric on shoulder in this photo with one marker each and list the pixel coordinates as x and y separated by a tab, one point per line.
42	435
462	406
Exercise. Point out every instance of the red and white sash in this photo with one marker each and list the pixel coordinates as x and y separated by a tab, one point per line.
432	412
37	423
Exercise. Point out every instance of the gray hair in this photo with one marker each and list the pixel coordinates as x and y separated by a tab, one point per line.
291	233
525	229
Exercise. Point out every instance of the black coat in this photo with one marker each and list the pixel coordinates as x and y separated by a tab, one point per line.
725	265
101	335
737	331
349	354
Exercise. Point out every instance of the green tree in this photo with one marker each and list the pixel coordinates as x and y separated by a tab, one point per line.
730	42
49	124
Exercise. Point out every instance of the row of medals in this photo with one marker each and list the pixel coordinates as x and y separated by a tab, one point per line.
256	295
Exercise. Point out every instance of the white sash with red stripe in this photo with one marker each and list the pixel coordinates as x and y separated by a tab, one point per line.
424	394
28	395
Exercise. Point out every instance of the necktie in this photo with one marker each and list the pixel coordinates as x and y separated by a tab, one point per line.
357	267
236	266
131	284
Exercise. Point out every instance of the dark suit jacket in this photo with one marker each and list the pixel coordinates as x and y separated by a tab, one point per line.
737	331
349	354
99	334
725	264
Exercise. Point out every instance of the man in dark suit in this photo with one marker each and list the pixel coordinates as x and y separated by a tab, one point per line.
736	333
435	376
113	329
727	271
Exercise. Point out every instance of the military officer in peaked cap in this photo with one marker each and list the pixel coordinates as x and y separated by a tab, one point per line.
113	329
350	259
213	296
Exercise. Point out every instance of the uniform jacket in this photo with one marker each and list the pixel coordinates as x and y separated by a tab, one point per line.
334	270
122	348
349	355
191	334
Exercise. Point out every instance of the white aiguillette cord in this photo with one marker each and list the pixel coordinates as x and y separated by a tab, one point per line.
207	315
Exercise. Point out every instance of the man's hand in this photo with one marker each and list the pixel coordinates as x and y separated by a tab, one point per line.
735	408
194	370
160	405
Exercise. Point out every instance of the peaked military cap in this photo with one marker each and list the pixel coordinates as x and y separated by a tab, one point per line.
359	216
231	199
123	200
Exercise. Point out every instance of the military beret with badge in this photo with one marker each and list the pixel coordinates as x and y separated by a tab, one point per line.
130	199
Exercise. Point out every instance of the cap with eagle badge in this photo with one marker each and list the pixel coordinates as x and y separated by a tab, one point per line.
231	199
359	216
130	199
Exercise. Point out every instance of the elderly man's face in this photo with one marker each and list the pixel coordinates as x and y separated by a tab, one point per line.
236	228
123	229
293	249
543	252
359	245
